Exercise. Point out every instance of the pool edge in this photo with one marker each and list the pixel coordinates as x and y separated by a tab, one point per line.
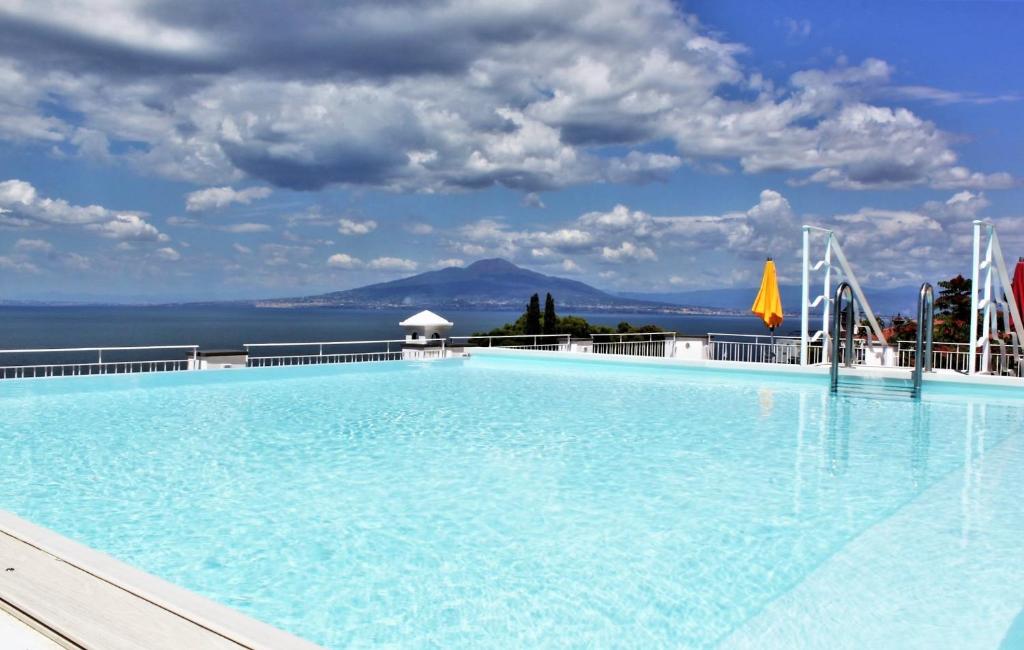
163	600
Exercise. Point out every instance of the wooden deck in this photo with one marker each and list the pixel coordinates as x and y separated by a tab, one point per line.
57	593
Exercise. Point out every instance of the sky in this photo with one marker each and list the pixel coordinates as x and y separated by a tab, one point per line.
179	150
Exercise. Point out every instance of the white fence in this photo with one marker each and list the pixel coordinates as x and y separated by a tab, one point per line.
327	352
956	357
546	342
63	366
750	348
945	356
635	344
758	348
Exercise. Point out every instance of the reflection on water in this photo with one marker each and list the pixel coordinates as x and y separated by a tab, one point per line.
860	442
919	442
838	447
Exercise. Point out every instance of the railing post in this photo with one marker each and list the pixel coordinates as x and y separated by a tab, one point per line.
972	338
805	297
827	291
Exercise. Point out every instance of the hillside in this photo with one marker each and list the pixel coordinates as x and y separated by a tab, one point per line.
486	284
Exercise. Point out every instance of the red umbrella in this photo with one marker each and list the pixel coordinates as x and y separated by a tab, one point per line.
1018	286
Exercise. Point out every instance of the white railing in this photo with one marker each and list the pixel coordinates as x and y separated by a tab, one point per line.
759	348
643	344
548	342
392	351
945	355
956	357
312	359
63	367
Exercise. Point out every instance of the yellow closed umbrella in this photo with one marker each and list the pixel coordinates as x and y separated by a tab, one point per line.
768	304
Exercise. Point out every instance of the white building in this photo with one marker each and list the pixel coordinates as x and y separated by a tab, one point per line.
425	334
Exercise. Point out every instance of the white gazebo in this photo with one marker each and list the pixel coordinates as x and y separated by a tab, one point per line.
424	327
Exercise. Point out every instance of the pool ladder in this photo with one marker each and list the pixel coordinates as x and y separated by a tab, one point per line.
923	344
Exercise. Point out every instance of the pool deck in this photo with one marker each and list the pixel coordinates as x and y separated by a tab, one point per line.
57	593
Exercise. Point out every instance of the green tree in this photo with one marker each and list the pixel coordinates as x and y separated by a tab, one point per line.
550	318
533	316
953	310
574	326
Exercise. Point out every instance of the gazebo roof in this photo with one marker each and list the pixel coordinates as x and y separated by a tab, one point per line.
426	318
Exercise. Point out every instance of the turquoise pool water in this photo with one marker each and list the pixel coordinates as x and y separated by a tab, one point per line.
496	502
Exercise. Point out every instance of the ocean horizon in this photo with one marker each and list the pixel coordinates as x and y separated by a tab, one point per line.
230	326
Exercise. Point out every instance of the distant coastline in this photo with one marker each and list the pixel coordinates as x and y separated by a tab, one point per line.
680	310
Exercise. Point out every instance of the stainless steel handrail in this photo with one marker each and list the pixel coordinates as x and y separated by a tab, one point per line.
925	325
843	288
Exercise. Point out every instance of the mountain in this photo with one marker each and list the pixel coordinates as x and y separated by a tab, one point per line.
886	302
487	284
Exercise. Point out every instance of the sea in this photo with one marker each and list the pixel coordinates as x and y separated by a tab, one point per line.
230	326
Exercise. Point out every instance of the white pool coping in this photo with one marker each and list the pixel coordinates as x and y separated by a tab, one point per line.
81	597
820	370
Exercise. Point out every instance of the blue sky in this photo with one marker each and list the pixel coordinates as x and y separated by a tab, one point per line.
178	150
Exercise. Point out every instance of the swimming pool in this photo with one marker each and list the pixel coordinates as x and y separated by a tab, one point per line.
501	501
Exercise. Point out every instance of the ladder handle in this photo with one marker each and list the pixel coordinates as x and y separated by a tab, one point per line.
923	344
843	288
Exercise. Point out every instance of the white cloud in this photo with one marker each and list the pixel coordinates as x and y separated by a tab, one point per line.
532	200
419	228
245	228
628	251
128	226
219	197
22	199
244	250
472	249
33	246
797	28
392	264
77	262
619	219
962	206
447	262
343	261
886	246
167	254
17	265
183	222
352	227
569	266
529	96
22	206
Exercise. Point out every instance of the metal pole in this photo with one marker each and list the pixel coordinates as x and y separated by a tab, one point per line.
986	319
805	297
850	322
827	293
972	336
